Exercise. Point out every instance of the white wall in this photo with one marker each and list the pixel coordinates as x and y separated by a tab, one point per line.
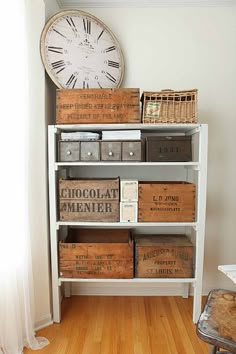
183	48
178	48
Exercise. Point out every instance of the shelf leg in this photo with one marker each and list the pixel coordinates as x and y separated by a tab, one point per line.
56	290
67	289
201	216
185	290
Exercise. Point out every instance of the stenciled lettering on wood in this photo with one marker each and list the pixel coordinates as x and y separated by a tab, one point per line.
91	106
89	193
89	200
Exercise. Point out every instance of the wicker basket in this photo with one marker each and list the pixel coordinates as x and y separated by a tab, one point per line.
168	106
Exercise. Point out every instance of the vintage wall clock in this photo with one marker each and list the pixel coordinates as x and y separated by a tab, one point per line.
80	51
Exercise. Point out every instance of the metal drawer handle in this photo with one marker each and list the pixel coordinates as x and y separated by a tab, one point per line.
131	153
110	153
68	152
89	153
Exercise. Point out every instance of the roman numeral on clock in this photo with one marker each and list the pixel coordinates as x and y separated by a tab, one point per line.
110	77
113	64
58	50
71	24
109	49
72	80
87	26
85	84
100	35
60	64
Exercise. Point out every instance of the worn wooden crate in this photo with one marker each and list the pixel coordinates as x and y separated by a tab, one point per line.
166	202
91	106
169	106
163	256
168	148
97	253
89	199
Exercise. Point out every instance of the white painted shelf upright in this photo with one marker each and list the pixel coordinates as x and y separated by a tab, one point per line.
197	170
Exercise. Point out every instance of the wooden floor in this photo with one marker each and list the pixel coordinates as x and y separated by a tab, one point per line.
123	325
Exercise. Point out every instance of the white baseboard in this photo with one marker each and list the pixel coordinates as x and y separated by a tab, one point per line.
44	322
114	289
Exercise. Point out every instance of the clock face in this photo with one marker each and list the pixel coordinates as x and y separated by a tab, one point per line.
79	51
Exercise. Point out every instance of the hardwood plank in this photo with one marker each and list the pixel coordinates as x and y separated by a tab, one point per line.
123	325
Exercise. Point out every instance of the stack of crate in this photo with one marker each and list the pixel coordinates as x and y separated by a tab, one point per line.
128	200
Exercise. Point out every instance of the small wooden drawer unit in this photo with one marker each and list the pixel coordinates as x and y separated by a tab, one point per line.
163	256
110	150
69	151
166	202
133	150
168	148
101	150
89	199
97	253
90	151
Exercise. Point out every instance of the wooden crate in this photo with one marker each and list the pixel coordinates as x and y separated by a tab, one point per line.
97	253
168	148
169	106
77	106
163	256
89	199
166	202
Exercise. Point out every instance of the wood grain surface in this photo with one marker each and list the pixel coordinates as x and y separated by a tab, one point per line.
124	325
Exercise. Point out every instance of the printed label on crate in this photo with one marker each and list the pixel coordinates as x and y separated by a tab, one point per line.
129	191
128	212
152	109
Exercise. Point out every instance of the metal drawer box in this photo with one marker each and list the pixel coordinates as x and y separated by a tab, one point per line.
69	151
168	148
110	150
90	151
132	150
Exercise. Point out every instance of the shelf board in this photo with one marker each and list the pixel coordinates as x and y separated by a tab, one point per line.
129	281
163	128
125	163
92	224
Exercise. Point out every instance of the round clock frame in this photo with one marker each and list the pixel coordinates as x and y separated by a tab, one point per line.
79	51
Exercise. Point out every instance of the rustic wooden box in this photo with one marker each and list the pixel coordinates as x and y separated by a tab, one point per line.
97	253
128	211
168	148
163	256
166	202
89	199
76	106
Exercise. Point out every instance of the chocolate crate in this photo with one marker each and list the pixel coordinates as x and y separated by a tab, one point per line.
89	199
